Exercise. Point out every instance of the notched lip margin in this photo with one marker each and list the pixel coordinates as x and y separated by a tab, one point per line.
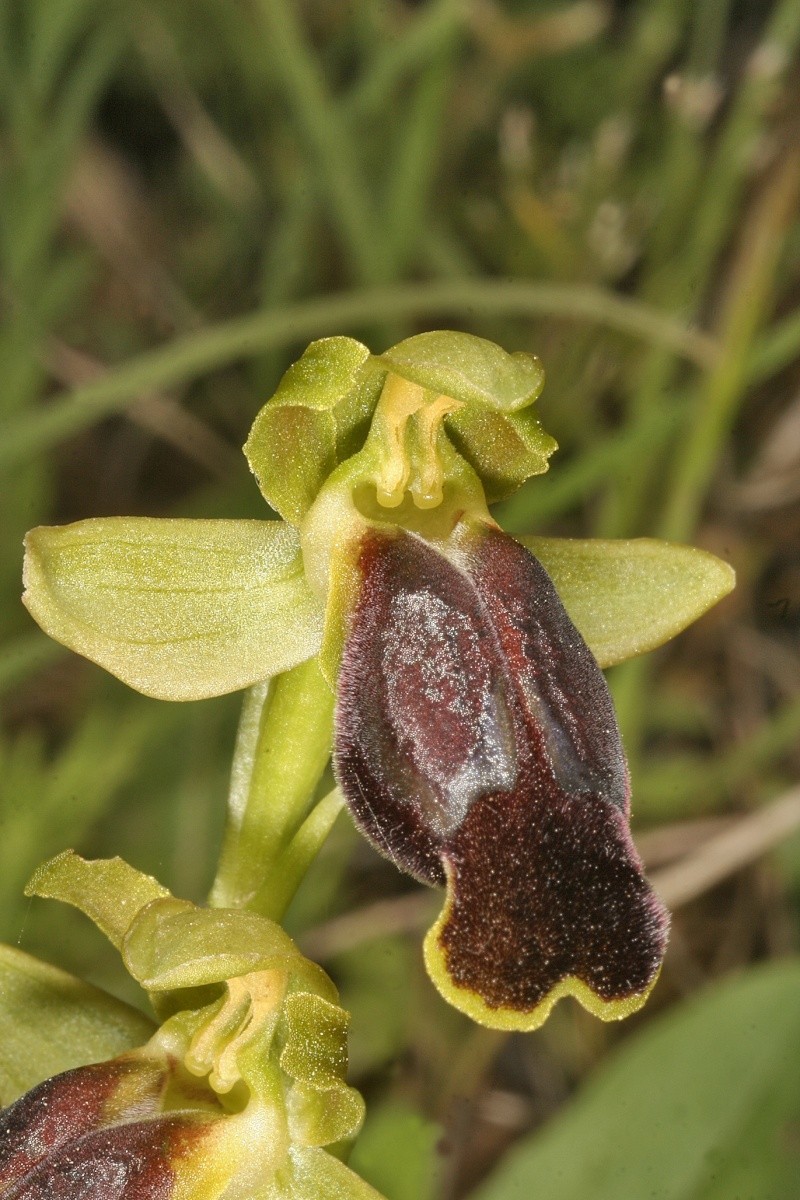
470	1002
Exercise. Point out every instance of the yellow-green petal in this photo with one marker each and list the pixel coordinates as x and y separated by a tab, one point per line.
627	597
51	1022
313	1174
108	890
322	1108
178	609
312	422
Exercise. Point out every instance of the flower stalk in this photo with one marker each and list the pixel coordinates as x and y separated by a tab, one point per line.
282	749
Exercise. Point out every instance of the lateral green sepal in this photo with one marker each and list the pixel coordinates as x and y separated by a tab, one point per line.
627	597
178	609
51	1022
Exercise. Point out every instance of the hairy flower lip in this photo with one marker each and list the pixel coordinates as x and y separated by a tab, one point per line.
67	1107
477	746
138	1160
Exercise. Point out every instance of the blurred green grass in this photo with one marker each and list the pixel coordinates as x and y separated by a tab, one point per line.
188	194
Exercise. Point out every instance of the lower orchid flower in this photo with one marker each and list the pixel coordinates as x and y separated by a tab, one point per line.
474	738
234	1095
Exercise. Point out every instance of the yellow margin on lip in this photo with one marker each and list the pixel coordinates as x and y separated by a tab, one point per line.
469	1002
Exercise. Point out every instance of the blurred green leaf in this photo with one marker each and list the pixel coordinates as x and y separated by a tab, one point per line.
49	800
375	985
703	1104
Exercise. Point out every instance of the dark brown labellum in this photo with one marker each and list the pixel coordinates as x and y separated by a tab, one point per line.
132	1161
476	742
55	1112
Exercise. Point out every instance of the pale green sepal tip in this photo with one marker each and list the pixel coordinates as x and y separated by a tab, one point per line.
322	376
107	890
177	609
468	368
51	1022
314	1174
628	597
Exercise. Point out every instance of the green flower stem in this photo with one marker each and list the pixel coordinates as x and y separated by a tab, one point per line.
291	866
282	749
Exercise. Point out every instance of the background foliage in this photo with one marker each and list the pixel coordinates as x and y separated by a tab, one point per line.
188	194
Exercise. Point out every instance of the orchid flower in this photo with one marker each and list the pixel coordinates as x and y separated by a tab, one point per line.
234	1095
474	739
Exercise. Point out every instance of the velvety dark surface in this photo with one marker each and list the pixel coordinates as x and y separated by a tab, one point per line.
126	1162
58	1110
475	730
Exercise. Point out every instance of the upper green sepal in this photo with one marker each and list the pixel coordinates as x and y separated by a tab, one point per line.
170	944
468	368
627	597
178	609
494	429
312	422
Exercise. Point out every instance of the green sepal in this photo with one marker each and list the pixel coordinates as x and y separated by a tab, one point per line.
178	609
468	368
174	945
313	1174
311	423
504	449
51	1022
627	597
109	891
